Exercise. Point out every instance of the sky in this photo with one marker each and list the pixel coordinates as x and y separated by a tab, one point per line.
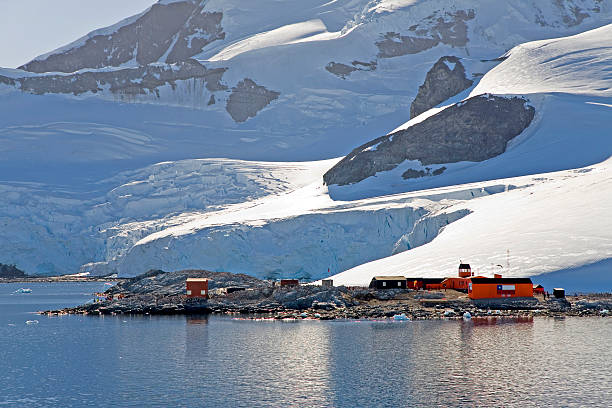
29	28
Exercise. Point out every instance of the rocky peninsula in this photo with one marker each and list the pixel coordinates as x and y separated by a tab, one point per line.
162	293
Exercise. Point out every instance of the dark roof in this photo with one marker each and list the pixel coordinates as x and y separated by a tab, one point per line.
388	278
501	280
464	266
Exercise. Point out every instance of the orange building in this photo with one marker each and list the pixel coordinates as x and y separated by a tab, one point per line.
465	270
432	283
460	284
197	287
490	288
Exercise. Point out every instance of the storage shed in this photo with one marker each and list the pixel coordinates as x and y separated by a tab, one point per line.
327	283
538	289
559	293
388	282
232	289
490	288
197	287
289	282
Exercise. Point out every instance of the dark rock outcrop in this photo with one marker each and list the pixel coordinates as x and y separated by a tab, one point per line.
6	80
344	70
11	272
201	29
476	129
248	98
182	25
444	80
160	283
448	28
128	81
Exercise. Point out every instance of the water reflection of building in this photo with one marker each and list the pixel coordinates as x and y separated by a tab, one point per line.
196	335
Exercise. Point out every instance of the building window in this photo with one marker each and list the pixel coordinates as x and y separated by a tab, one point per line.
399	283
202	292
188	292
384	283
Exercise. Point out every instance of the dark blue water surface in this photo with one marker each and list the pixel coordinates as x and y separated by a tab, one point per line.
121	361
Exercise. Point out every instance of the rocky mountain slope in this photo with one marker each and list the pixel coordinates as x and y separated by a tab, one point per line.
102	140
310	81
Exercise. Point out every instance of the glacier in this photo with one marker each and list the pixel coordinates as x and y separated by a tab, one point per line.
175	175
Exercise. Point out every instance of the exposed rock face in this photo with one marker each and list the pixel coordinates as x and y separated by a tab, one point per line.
11	271
157	282
145	40
129	81
248	98
573	12
449	29
473	130
444	80
201	29
6	80
343	70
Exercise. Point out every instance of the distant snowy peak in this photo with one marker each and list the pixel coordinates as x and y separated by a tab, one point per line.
313	65
166	32
175	30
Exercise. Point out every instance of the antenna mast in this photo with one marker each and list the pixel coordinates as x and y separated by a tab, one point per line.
508	259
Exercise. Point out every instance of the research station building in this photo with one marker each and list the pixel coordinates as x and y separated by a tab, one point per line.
488	288
197	288
388	282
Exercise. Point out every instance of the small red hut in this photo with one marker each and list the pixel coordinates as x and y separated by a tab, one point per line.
289	282
197	287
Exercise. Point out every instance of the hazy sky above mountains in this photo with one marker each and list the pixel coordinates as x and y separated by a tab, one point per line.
29	28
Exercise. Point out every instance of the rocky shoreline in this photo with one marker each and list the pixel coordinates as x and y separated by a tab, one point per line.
159	293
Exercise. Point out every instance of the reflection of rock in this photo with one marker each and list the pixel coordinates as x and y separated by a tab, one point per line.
129	81
181	25
473	130
449	29
444	80
248	98
343	70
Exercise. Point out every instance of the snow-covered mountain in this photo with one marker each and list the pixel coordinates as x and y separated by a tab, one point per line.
307	80
108	144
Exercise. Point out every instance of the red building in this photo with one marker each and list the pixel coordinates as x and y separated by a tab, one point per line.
465	270
289	282
197	287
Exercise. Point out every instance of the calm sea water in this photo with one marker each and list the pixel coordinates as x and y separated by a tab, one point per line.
79	361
